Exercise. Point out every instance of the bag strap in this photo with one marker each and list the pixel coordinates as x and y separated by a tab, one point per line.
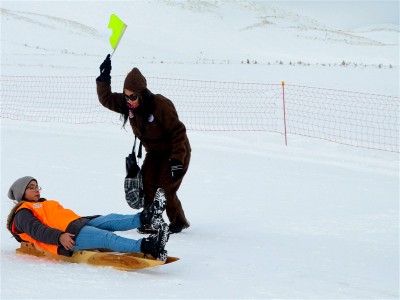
140	148
140	144
134	146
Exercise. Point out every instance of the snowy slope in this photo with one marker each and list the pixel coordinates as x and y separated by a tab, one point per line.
313	220
201	32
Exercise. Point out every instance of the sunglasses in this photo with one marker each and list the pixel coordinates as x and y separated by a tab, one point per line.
131	97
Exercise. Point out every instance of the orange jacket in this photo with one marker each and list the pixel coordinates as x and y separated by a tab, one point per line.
51	214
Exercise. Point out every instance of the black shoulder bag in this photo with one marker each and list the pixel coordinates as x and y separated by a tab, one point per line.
134	194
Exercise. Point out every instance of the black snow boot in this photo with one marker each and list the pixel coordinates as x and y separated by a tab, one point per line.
146	229
177	226
152	215
155	243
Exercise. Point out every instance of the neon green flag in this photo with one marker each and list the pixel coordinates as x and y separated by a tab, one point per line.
118	27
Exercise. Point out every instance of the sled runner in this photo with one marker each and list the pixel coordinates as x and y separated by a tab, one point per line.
120	261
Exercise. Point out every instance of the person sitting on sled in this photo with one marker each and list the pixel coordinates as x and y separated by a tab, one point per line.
58	230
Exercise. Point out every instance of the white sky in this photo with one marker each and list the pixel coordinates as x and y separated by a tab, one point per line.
345	14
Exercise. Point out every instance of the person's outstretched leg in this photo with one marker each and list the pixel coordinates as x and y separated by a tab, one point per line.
91	237
116	222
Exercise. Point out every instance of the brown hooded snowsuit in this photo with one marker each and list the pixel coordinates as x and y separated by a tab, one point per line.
155	122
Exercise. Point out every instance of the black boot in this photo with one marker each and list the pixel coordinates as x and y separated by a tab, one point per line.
152	215
155	243
146	229
177	226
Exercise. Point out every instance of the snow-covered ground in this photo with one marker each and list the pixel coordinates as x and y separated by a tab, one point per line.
311	220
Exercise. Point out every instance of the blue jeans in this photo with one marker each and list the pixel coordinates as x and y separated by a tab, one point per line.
98	233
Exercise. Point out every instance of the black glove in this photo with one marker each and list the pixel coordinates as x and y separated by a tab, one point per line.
105	70
176	168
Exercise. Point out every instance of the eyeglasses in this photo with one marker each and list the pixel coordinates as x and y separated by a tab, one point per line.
34	187
131	97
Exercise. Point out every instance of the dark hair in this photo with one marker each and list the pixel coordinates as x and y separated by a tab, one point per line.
146	107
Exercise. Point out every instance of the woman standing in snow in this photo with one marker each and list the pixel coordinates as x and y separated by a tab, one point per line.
61	231
155	122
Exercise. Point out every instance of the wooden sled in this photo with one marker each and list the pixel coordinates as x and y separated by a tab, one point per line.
117	260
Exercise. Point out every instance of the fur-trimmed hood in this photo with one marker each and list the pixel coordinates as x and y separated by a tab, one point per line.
11	215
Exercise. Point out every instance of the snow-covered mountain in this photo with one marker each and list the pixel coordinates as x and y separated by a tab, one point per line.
219	32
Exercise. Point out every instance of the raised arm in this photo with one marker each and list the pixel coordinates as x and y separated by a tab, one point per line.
112	101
